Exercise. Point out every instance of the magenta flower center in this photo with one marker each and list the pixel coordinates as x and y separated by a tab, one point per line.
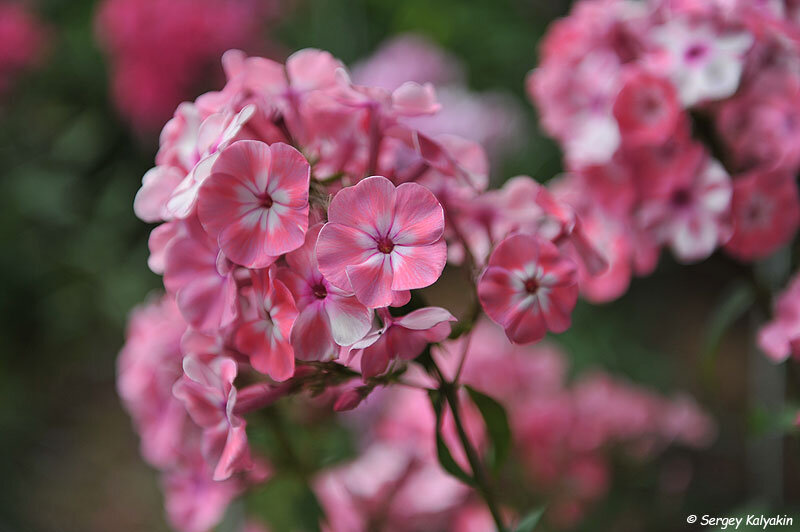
320	292
681	197
531	285
696	51
266	201
385	245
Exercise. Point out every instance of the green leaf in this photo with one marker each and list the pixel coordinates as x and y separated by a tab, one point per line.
529	522
286	502
496	420
446	459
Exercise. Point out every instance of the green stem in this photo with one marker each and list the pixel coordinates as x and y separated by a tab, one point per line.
479	475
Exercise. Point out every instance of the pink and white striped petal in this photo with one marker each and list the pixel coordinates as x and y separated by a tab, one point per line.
368	206
417	266
372	281
418	216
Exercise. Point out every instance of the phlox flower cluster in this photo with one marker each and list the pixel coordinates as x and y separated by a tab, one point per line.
297	213
161	51
678	123
565	434
24	39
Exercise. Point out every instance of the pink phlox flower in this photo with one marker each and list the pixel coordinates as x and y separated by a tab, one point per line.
207	391
147	368
702	63
780	337
255	202
529	287
328	317
213	135
691	212
401	338
381	239
266	339
201	278
766	214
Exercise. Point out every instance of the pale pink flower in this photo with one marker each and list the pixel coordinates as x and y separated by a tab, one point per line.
197	148
691	212
266	339
150	203
404	338
207	391
702	63
380	240
255	202
329	316
200	277
529	287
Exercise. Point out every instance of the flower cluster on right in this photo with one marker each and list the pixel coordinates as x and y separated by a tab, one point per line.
680	122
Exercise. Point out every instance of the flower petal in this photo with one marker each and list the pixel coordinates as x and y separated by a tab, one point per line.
372	281
350	320
418	216
311	335
367	206
417	266
339	246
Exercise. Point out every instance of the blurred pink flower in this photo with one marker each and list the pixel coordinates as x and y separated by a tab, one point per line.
490	118
24	38
529	287
162	51
691	212
765	212
780	337
148	366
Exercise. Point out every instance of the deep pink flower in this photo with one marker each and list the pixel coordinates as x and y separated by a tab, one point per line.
647	109
24	40
255	202
780	338
404	338
380	240
765	212
329	317
266	339
208	393
161	51
529	287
